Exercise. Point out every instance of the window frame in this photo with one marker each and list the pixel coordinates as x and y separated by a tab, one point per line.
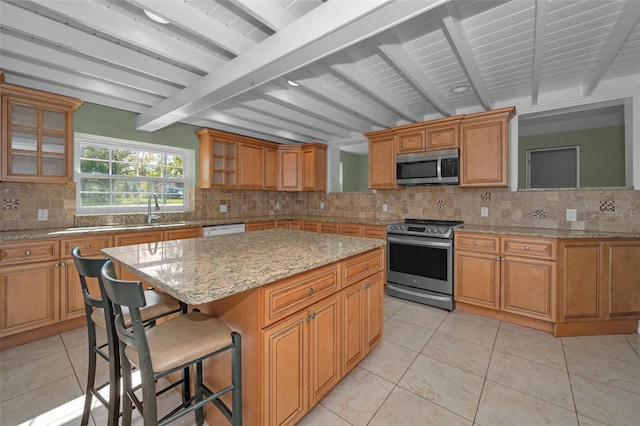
187	179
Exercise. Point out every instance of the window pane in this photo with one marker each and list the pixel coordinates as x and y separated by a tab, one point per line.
53	166
122	154
91	166
94	151
24	140
53	120
125	199
147	187
124	169
121	185
95	185
53	143
150	164
95	199
24	164
174	194
23	115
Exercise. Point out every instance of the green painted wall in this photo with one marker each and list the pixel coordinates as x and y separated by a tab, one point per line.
601	154
353	171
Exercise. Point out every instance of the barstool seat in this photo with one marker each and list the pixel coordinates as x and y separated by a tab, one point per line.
175	344
99	312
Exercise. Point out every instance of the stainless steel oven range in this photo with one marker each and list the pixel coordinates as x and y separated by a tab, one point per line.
420	261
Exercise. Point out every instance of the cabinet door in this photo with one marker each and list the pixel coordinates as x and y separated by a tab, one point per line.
271	169
443	136
484	150
411	140
353	326
581	290
382	163
314	168
324	347
289	169
71	297
30	296
251	161
285	370
374	294
477	278
623	278
529	287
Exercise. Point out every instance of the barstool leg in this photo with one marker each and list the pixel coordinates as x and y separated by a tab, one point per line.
114	384
127	403
199	394
91	379
236	374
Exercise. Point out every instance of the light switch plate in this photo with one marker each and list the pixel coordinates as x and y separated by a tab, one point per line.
321	205
385	208
278	205
484	211
572	215
223	208
43	214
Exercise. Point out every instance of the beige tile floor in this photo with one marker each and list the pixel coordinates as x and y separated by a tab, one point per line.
432	368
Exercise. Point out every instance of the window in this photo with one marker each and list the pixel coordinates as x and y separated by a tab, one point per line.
553	167
118	176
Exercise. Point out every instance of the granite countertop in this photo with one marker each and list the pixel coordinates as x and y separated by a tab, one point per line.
33	234
543	232
201	270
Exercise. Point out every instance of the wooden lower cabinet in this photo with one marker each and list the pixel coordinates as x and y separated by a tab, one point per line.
30	296
477	279
528	287
623	278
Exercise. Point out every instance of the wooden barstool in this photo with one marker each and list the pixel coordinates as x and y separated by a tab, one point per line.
169	347
98	311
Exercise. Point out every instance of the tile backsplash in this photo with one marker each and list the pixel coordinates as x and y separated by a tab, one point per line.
601	209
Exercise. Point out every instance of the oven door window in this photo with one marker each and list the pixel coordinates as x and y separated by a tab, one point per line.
426	262
418	169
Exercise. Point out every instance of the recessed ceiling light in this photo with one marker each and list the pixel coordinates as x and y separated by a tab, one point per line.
460	89
293	83
155	17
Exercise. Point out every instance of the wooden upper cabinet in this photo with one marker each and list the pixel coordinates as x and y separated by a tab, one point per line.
37	135
484	143
442	134
410	140
271	168
314	167
251	166
217	159
289	170
382	160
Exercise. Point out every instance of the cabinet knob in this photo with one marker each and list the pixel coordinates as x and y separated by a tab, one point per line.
310	290
313	315
366	266
87	246
475	243
526	248
367	285
27	252
498	259
57	265
62	264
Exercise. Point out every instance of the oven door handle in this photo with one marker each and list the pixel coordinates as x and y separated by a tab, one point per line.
418	242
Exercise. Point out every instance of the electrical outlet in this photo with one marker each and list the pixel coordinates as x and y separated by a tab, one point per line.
43	214
223	208
572	215
321	205
484	211
278	205
385	208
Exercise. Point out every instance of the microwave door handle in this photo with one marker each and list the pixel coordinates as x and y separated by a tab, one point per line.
439	168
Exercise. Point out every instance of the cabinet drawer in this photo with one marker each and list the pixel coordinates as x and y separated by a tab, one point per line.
329	228
310	226
478	242
361	266
348	229
374	231
294	294
29	251
88	246
530	247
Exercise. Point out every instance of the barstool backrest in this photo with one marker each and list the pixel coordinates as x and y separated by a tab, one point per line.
90	268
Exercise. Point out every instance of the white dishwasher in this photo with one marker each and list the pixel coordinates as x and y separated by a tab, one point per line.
229	228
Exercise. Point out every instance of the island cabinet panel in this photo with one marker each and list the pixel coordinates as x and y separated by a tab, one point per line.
354	318
324	346
623	278
374	309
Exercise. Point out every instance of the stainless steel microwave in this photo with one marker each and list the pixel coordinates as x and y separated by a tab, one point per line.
428	168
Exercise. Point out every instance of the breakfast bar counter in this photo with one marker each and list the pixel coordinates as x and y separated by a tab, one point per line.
309	307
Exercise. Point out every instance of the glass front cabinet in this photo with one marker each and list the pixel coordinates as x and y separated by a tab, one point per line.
37	135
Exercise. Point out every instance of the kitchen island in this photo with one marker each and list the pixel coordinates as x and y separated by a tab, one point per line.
308	306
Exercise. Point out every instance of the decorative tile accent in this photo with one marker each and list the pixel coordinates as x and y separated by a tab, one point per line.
539	214
240	208
211	203
404	210
323	197
347	209
485	196
607	206
442	204
374	203
10	204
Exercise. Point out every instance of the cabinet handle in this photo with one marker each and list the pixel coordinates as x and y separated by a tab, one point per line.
498	259
62	264
57	265
27	252
366	266
313	315
367	285
475	243
87	246
526	248
310	290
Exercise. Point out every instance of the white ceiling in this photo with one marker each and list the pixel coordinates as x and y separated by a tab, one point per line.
361	65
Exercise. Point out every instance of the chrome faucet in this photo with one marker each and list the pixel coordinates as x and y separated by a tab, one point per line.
152	217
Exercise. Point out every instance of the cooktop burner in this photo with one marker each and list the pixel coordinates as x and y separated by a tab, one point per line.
425	227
